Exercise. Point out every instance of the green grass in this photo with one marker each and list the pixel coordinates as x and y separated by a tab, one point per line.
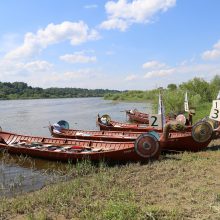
202	110
179	186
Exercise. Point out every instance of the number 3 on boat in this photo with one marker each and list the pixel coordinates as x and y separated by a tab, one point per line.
215	111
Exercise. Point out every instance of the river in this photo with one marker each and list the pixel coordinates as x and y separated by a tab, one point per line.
32	117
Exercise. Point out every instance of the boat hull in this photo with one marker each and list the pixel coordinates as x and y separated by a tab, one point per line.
114	136
183	142
93	150
177	141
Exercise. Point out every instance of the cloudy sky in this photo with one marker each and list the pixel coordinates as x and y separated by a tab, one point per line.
118	44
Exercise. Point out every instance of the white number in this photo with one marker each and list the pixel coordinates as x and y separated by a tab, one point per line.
215	111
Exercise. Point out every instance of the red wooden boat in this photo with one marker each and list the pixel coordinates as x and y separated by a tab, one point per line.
169	140
198	139
202	133
136	116
143	118
105	123
120	136
69	149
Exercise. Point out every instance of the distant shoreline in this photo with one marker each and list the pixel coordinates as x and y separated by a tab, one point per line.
21	90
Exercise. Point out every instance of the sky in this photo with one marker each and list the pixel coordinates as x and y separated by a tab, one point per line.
117	44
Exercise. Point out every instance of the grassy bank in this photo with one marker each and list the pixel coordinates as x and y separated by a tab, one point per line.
179	186
202	111
200	92
135	96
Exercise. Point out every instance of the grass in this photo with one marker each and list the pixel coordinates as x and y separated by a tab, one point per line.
179	186
202	110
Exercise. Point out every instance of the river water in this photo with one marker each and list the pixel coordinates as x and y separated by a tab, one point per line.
32	117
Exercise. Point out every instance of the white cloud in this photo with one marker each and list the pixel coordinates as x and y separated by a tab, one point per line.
212	54
10	68
131	77
44	74
38	66
180	73
122	14
157	69
70	75
153	64
78	58
114	24
80	78
76	33
159	73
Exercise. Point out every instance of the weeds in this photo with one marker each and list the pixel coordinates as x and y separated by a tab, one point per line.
180	186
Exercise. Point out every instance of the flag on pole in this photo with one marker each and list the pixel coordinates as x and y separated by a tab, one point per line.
161	110
186	103
159	105
218	96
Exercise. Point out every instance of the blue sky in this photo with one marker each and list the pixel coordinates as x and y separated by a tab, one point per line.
120	44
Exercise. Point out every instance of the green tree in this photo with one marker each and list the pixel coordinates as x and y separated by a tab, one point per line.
172	86
215	86
198	86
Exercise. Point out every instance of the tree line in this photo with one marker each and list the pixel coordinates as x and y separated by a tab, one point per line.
199	92
21	90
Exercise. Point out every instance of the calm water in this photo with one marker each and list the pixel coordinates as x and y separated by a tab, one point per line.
33	116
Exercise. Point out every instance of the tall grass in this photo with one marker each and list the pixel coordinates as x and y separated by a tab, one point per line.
179	186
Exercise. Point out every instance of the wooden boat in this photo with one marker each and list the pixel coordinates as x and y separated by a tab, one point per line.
202	133
105	123
198	139
143	118
120	136
136	116
168	139
73	150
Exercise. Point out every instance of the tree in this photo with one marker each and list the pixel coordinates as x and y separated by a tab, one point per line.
198	86
172	86
215	86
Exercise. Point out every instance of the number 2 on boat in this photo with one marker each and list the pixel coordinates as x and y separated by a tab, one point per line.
155	120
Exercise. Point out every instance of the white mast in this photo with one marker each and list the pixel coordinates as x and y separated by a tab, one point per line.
161	110
218	96
186	103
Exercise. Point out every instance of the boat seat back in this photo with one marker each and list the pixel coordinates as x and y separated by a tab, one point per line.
105	119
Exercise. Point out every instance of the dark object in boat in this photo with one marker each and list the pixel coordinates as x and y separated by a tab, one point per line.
63	124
